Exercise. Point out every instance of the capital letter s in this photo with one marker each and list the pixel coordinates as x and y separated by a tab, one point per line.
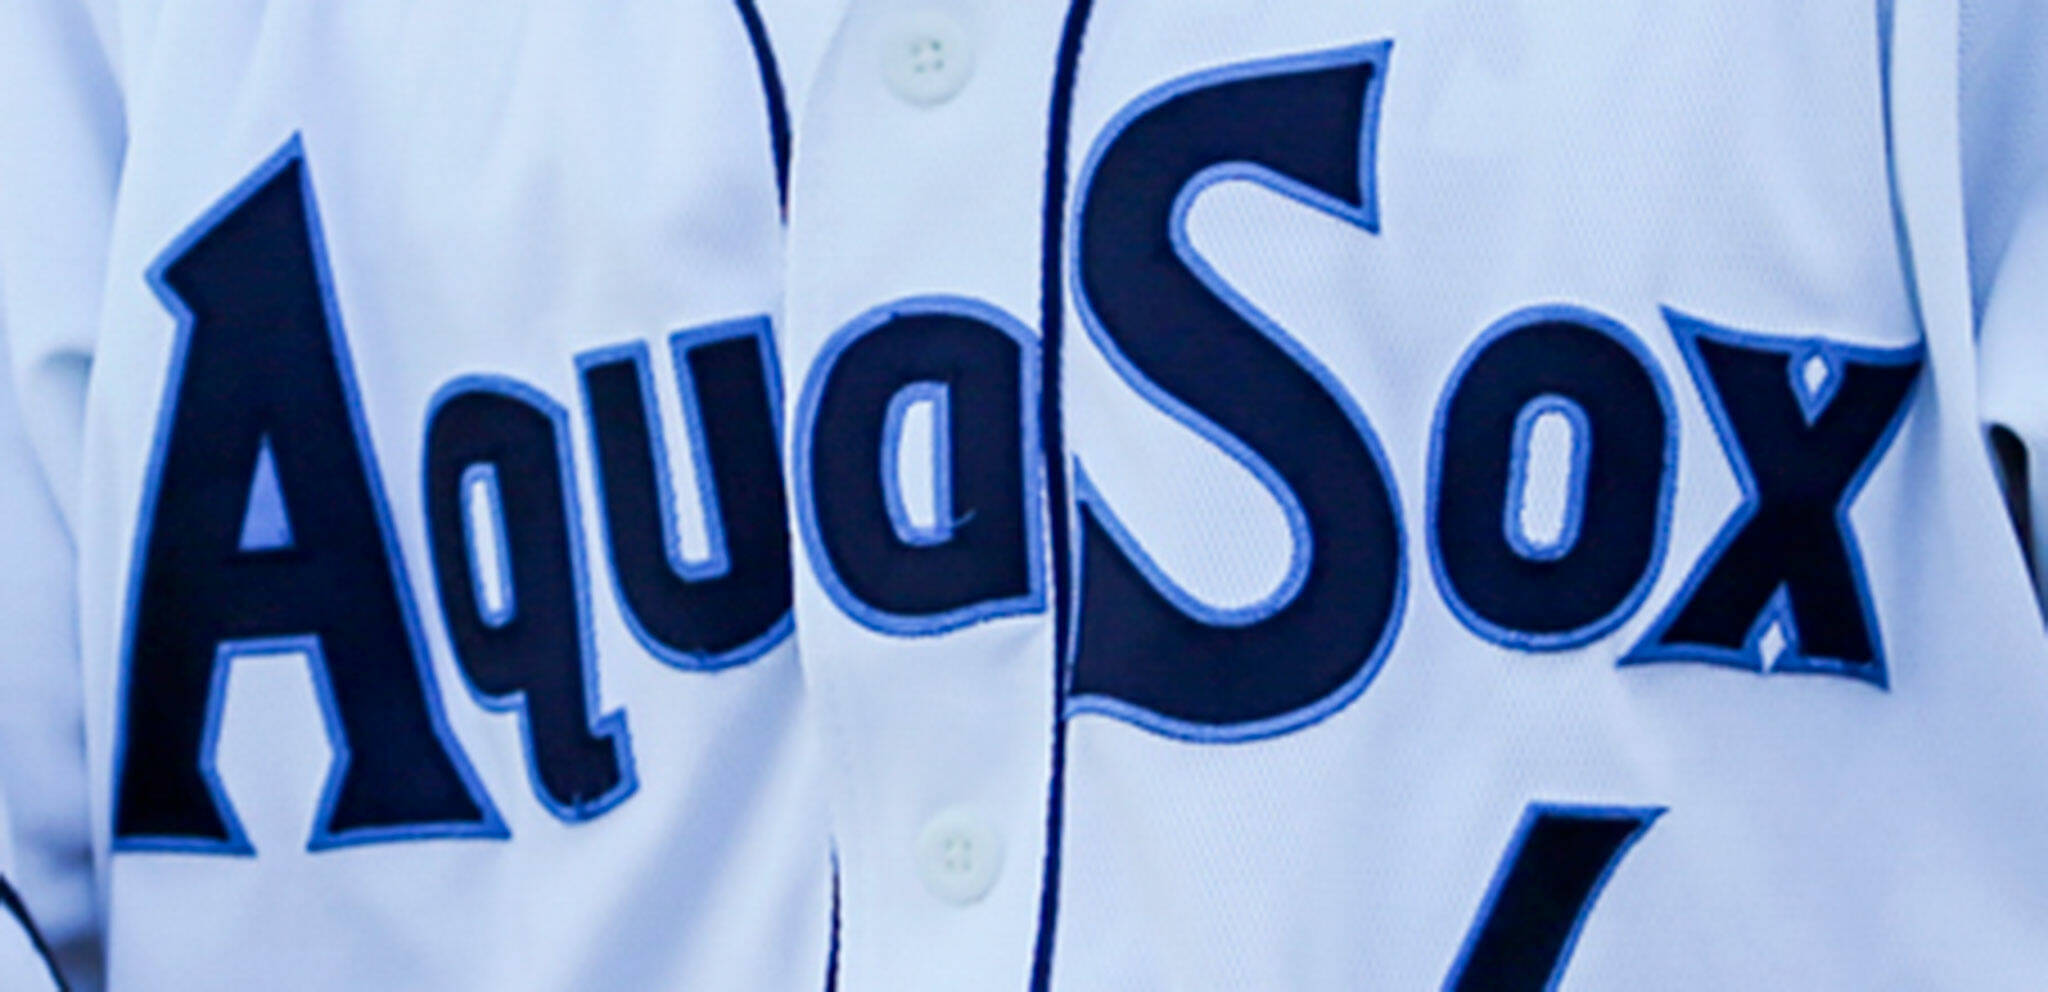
1146	650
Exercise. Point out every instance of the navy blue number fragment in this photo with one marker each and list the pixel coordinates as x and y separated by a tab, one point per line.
975	369
733	605
1552	873
265	530
1803	422
497	464
1147	650
1582	367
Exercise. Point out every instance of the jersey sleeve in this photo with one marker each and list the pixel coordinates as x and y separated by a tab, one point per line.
2004	126
60	151
42	742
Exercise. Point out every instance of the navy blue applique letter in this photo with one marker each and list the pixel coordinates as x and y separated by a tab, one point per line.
498	452
732	606
1804	422
975	369
265	531
1146	650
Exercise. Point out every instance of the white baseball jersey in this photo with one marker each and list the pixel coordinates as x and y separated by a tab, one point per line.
1273	495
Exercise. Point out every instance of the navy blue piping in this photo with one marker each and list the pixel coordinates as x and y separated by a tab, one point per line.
771	91
11	900
1053	437
832	949
1887	16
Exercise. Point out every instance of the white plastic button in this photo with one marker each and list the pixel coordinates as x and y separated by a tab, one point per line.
959	855
926	57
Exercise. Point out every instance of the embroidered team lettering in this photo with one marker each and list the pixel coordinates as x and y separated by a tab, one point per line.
261	390
1802	421
267	529
267	532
